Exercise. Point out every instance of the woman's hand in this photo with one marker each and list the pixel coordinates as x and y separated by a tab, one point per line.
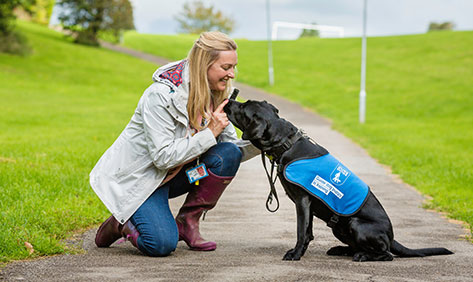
219	120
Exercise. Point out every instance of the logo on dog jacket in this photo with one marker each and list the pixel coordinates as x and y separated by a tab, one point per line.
330	181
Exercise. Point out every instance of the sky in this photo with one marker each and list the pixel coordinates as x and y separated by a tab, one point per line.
384	17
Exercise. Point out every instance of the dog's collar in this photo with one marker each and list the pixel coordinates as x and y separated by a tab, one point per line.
274	154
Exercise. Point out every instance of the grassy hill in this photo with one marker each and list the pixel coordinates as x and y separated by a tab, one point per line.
61	108
419	104
64	105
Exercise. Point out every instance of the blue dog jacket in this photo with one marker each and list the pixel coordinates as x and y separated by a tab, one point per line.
329	180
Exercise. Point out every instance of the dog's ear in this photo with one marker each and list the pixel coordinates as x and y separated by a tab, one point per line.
275	110
255	129
272	107
279	132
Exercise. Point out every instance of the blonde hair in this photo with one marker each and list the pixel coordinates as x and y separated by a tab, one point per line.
203	54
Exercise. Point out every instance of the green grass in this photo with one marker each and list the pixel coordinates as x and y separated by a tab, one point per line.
64	105
167	46
419	104
61	108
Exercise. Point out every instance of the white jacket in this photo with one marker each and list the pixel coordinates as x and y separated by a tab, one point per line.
156	139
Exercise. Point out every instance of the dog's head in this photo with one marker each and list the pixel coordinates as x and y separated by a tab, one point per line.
260	123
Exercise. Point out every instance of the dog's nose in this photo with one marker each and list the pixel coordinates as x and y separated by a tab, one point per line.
234	94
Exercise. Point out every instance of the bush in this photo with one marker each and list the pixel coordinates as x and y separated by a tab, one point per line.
14	43
433	26
86	37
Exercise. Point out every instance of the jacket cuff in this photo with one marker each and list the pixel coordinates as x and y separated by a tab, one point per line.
206	138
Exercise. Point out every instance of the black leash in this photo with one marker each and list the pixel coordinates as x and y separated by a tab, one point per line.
271	178
273	192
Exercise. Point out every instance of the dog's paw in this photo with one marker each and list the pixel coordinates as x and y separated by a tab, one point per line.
340	251
292	254
363	256
360	256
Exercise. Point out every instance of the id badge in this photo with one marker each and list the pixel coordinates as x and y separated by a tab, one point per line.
196	173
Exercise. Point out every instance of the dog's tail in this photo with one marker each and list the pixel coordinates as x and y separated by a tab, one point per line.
400	250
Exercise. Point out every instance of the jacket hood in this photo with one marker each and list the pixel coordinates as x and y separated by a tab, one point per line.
173	74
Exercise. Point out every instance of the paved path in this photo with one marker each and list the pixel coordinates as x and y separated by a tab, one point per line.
252	241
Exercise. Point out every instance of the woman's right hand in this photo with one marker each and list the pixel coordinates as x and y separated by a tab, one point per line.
219	120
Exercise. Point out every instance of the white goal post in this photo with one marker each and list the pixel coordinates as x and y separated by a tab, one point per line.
339	31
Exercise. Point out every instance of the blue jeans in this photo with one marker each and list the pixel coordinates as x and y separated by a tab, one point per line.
154	220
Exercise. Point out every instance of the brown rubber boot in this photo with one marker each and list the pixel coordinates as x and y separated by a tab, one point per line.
108	233
111	230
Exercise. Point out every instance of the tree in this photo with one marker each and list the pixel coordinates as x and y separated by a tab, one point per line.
7	16
39	11
433	26
86	18
42	11
309	32
120	18
197	18
10	40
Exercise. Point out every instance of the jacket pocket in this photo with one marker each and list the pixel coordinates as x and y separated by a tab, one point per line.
141	162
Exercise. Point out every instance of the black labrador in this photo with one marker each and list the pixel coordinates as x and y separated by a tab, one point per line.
368	233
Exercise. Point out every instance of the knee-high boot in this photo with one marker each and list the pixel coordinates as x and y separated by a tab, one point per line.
130	233
111	230
203	198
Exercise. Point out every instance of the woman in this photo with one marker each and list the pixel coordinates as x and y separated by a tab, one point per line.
178	125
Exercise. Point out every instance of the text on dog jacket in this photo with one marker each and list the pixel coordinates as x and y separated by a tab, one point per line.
329	180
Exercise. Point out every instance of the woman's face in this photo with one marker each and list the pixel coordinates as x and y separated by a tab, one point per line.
222	70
